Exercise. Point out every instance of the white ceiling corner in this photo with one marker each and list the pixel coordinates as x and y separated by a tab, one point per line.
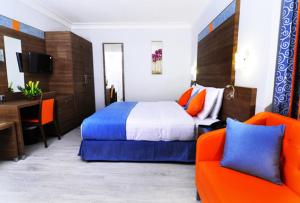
59	18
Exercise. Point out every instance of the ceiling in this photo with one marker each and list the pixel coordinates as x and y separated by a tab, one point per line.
116	12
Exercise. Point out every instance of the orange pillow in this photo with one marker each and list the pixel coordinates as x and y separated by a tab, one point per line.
185	97
197	103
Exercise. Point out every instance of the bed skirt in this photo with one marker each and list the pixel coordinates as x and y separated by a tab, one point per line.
138	151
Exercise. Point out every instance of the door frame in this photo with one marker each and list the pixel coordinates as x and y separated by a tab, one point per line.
104	71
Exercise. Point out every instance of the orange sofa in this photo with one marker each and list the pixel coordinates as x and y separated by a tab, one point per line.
216	184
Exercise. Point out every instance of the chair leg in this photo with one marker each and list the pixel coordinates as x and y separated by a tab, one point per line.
57	130
197	196
43	135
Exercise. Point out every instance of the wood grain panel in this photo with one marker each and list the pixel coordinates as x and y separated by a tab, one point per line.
11	113
241	107
65	112
29	44
73	58
83	75
8	141
216	68
215	56
235	38
58	45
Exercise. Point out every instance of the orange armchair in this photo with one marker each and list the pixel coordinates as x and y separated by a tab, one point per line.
218	184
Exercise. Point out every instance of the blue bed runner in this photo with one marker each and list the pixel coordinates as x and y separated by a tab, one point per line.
108	123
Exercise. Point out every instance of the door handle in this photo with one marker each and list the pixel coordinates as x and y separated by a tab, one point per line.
85	79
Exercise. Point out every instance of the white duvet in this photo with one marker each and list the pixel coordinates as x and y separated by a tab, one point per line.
159	121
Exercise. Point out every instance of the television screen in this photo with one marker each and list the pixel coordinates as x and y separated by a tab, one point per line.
20	61
40	63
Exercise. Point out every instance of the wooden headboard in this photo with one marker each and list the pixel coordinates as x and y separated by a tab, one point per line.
241	107
215	51
216	68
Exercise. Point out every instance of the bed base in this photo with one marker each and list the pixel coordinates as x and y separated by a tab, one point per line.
138	151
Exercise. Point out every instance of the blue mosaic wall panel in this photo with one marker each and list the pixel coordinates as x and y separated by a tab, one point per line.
9	23
219	20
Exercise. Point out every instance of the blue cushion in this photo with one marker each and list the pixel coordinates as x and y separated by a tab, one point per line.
253	149
190	99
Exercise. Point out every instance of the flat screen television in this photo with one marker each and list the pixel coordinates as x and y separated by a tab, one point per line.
20	61
39	63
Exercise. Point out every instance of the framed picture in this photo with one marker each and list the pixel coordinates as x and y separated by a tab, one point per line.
157	57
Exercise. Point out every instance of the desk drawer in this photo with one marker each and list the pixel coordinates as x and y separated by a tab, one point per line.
65	113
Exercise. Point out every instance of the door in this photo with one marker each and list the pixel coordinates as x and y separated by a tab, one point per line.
113	65
89	79
83	77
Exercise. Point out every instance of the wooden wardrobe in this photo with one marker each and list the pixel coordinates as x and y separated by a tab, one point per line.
73	70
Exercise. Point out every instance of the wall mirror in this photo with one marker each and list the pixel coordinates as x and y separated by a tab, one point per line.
15	78
113	63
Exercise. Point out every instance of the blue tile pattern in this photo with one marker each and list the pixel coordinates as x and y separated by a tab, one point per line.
219	20
285	58
227	13
203	33
8	23
32	31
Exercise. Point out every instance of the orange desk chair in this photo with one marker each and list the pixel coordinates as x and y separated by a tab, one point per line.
46	115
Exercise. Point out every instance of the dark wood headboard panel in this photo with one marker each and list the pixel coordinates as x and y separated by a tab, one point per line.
215	68
241	107
215	51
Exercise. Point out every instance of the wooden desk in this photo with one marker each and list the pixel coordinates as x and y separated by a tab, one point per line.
8	141
65	111
10	111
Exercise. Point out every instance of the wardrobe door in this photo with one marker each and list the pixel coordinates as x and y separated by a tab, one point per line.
58	45
89	78
83	77
78	77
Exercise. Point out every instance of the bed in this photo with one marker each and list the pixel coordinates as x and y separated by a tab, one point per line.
143	131
158	131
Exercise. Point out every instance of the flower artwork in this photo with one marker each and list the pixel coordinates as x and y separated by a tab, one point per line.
157	58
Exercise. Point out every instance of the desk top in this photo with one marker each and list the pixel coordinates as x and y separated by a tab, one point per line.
20	103
5	125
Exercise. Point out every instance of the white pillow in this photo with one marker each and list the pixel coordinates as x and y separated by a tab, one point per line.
197	87
215	112
210	101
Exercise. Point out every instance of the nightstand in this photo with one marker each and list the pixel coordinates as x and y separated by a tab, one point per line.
205	129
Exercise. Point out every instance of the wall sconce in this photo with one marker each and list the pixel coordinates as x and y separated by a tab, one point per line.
194	72
241	60
230	95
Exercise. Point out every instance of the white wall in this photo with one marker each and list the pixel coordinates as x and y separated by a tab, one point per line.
19	11
258	35
140	84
